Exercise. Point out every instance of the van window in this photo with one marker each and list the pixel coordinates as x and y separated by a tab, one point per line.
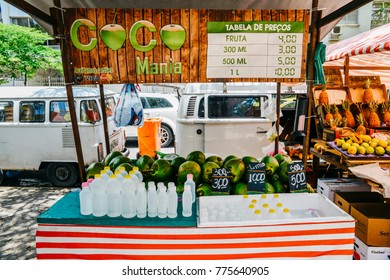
59	111
32	111
6	111
89	111
110	106
156	102
234	107
201	108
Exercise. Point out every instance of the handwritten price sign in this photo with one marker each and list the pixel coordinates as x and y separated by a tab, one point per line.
220	180
297	177
256	176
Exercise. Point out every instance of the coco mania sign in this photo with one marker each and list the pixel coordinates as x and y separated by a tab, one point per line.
169	45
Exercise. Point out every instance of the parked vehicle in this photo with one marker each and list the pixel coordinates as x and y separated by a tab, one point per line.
36	132
224	119
158	105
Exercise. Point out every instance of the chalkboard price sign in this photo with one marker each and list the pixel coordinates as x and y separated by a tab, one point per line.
220	180
256	176
297	177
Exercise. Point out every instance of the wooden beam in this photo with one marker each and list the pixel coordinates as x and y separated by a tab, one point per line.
346	9
30	9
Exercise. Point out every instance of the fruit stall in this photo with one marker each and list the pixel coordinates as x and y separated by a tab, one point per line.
244	208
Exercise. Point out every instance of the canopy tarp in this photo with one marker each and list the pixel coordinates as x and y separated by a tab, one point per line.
332	11
368	52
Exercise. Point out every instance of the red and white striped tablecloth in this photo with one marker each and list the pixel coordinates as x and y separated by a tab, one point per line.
314	240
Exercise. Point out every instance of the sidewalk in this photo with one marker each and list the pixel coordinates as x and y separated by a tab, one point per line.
19	208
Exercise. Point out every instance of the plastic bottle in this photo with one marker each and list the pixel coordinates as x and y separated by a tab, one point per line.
152	200
99	197
162	208
129	203
141	199
104	175
187	201
138	173
172	200
134	177
108	170
85	199
118	175
159	185
191	183
123	171
114	197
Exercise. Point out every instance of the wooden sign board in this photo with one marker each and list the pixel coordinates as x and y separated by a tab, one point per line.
115	46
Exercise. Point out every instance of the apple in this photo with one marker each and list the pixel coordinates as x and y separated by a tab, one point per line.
113	35
173	36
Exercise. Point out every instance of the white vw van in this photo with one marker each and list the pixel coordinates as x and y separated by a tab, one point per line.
223	119
36	132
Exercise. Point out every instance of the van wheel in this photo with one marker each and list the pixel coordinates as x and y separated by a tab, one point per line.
166	136
62	174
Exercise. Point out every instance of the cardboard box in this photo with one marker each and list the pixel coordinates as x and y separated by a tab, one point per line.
329	186
344	200
364	252
372	223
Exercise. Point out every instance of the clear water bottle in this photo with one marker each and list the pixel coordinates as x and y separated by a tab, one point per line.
138	173
108	170
129	202
104	175
187	201
162	207
85	199
123	171
191	183
172	200
99	197
118	175
142	203
159	186
134	177
152	200
114	197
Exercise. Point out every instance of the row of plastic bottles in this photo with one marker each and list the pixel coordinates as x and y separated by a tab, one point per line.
124	194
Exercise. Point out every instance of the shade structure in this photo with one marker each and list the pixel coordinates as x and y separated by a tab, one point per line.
368	51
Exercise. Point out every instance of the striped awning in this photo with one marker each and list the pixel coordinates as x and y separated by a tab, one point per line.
373	41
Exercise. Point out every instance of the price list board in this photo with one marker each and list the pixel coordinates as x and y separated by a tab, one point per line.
256	49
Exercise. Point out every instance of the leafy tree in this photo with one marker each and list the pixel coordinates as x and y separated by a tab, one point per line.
23	52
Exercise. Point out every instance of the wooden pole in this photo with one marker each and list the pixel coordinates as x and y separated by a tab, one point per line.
59	31
314	35
346	71
278	92
104	114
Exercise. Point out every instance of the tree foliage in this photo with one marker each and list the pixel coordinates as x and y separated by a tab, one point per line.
23	52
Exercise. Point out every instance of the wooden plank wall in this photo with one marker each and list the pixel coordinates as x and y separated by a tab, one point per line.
192	55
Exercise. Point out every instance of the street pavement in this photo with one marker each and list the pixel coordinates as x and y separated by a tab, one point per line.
22	200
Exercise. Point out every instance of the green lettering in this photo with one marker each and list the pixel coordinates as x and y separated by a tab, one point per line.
133	36
142	68
74	30
163	68
177	68
153	68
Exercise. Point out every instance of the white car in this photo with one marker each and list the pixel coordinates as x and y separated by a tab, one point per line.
158	105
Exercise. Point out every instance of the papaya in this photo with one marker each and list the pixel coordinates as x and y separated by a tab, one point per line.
111	156
239	189
228	158
283	172
115	162
237	169
216	159
204	190
207	171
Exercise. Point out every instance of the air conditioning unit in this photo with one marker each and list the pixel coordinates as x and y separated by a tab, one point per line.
336	30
